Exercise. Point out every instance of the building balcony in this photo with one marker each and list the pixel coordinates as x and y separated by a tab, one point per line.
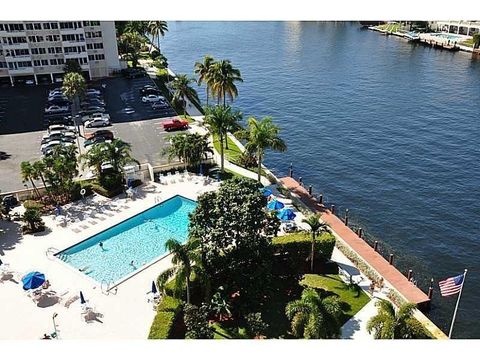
22	71
13	33
18	58
73	55
15	46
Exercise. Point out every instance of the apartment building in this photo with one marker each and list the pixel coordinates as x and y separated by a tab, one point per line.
37	51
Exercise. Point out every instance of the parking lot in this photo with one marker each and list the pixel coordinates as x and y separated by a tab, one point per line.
21	125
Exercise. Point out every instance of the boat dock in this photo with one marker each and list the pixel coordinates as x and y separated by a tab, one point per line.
390	274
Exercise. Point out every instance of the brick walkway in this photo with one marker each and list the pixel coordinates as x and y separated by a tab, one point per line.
390	274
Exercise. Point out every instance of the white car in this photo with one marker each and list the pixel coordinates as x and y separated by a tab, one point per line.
100	115
61	127
56	91
53	143
59	133
152	98
97	122
93	92
53	109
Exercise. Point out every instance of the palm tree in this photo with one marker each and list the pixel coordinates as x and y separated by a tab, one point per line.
138	27
28	174
130	44
39	169
61	169
157	29
183	90
94	157
118	154
262	135
33	218
314	317
203	70
186	262
391	324
189	148
315	227
217	120
233	124
476	41
223	77
74	87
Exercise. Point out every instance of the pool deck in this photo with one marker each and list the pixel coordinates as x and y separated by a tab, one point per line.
125	314
395	278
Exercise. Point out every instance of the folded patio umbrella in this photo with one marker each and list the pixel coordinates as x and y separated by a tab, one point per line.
154	287
33	280
275	205
286	214
82	298
267	192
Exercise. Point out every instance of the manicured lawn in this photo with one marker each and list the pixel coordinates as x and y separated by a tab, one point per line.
232	153
352	300
468	42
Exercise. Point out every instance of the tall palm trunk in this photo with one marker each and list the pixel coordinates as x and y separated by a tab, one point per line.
221	152
206	85
313	252
259	159
226	141
35	190
188	288
45	185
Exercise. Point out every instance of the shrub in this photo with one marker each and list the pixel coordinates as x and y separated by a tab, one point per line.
33	221
196	322
154	54
255	325
110	181
295	249
163	322
78	186
32	204
247	160
358	262
100	190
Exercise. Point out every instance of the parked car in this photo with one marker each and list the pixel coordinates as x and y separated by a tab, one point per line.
175	124
57	96
92	102
56	119
59	102
55	109
61	127
56	91
91	91
132	73
160	105
96	140
152	98
97	122
92	110
150	90
94	115
103	133
59	135
53	143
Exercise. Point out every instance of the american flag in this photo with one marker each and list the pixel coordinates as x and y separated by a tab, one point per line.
452	285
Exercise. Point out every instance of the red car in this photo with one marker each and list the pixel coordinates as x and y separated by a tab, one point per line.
175	124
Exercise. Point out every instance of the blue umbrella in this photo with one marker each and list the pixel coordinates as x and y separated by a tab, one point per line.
286	214
267	192
82	298
154	287
275	205
33	280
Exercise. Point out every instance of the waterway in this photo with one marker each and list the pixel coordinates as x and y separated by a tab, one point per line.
388	129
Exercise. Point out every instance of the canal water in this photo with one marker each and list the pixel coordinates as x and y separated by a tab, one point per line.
388	129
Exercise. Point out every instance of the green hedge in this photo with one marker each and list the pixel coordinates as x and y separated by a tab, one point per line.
79	185
167	311
359	263
107	193
32	204
294	249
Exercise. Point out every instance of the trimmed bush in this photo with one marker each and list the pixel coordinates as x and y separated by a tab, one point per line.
100	190
358	262
79	185
294	249
32	204
167	312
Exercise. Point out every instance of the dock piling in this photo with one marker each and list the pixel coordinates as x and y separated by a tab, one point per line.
410	274
430	290
320	199
332	209
390	259
375	246
360	232
310	190
346	217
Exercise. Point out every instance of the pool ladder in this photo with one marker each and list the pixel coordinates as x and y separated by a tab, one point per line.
105	287
51	251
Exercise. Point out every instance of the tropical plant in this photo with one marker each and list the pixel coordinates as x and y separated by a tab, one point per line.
130	44
219	120
316	226
72	66
182	90
157	29
33	219
234	231
223	77
196	322
94	157
219	305
74	87
391	324
28	174
160	62
313	316
203	70
189	148
261	135
137	27
256	327
118	153
61	169
476	41
186	262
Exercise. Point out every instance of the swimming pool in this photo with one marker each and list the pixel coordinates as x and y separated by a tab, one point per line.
140	239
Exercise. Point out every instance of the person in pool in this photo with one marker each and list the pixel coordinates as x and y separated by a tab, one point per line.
101	245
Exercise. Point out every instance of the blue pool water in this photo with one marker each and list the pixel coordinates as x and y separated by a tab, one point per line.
141	239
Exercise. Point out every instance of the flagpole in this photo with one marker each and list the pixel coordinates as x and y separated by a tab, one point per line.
456	306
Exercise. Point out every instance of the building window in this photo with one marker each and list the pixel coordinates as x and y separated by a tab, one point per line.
58	50
15	27
53	61
91	23
53	37
46	26
54	25
91	57
60	61
24	64
99	57
93	34
37	26
44	62
37	63
71	25
29	26
35	39
95	46
2	28
3	65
